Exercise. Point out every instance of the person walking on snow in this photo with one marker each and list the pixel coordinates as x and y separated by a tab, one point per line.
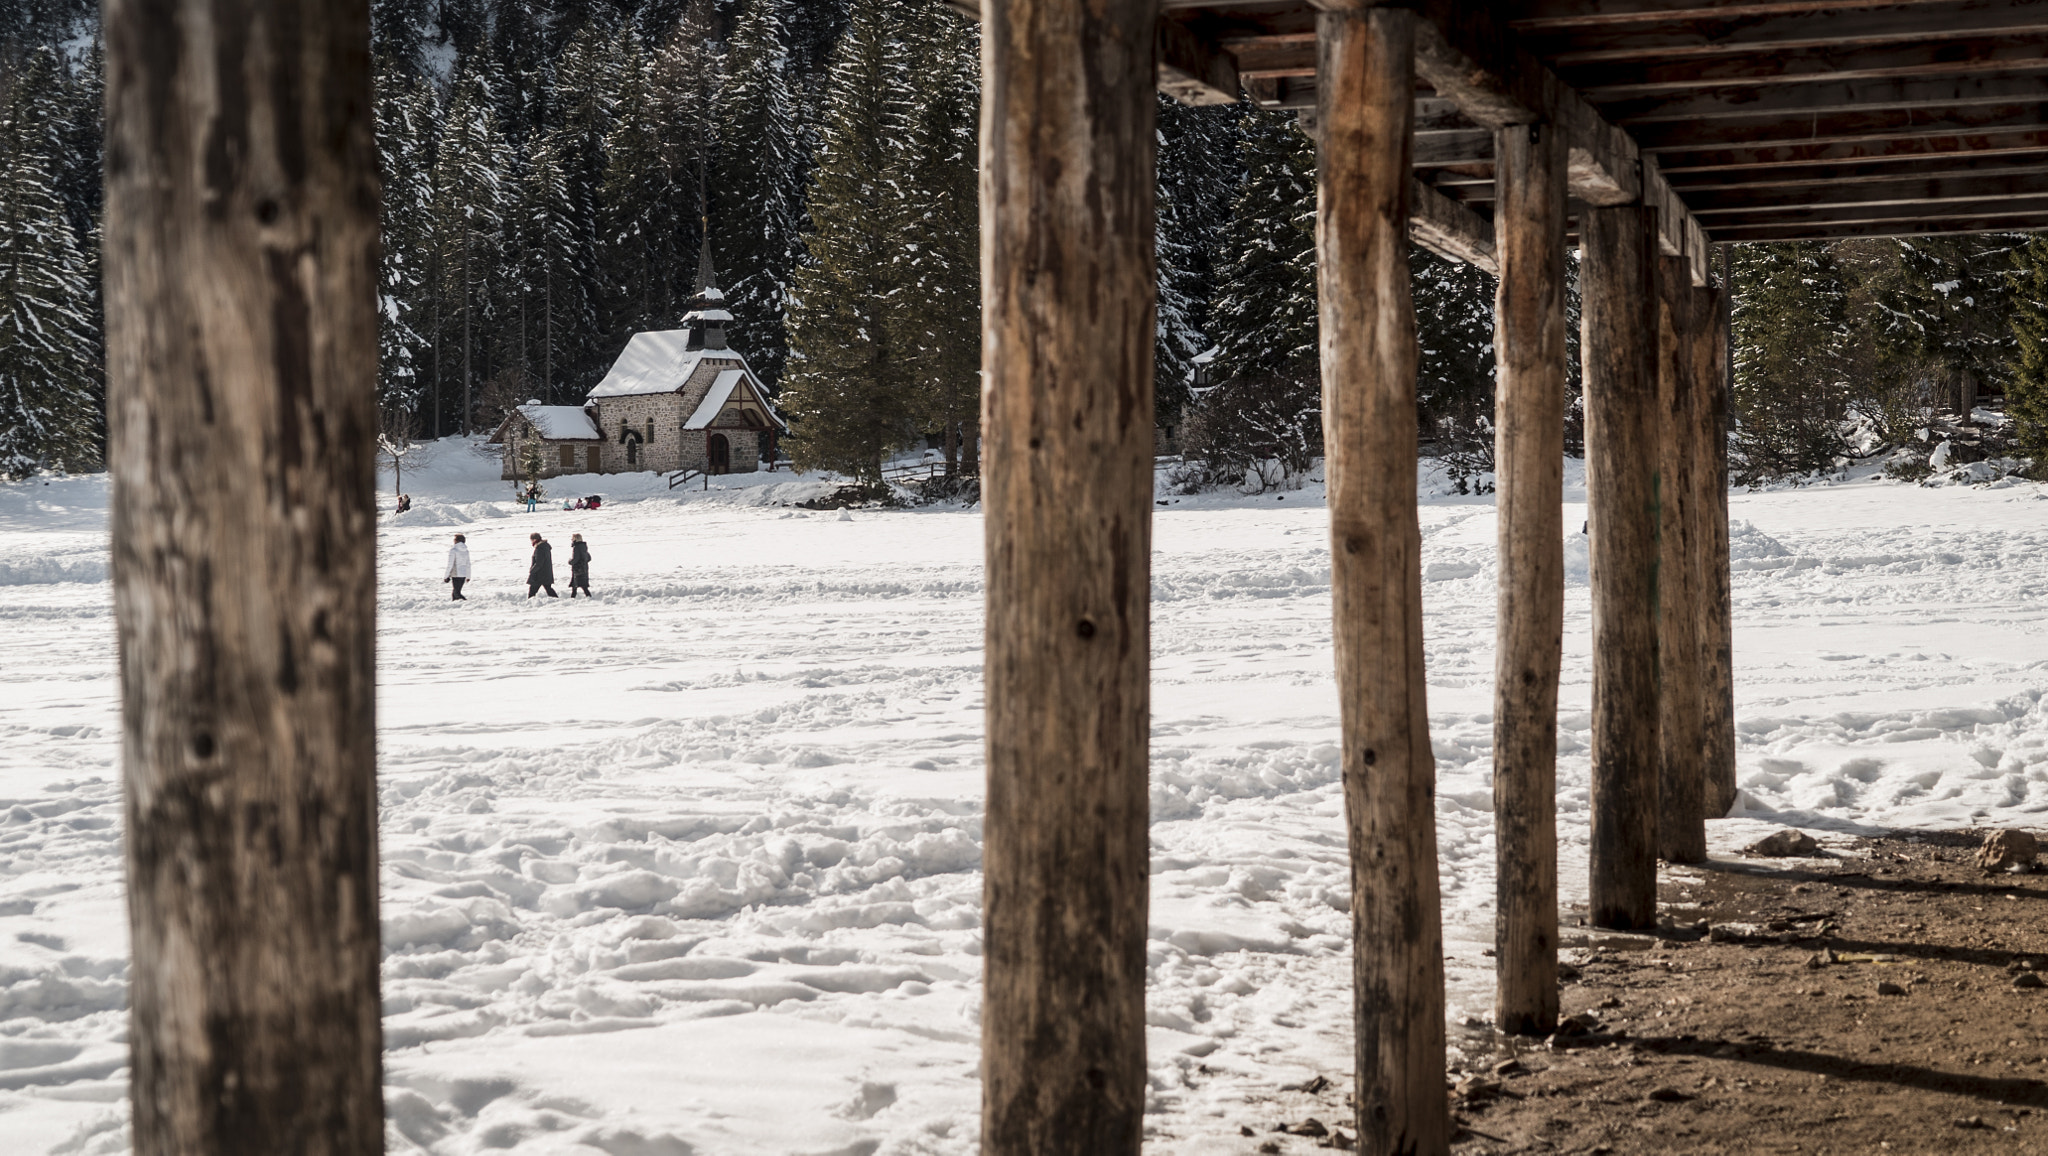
458	567
541	575
579	566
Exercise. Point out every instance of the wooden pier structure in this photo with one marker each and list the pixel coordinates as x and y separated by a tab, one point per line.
240	258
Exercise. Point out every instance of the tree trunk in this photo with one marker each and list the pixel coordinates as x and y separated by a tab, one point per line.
1619	346
1529	346
467	345
241	288
1067	228
1717	621
1365	62
1684	325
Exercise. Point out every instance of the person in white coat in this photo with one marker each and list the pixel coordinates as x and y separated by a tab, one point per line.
458	566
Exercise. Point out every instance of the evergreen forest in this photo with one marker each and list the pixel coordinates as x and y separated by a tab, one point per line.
553	168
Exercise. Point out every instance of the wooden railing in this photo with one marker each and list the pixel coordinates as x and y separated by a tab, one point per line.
684	477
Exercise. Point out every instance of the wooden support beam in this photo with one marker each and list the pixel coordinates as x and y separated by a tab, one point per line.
1716	604
1685	326
1817	27
1815	98
2005	213
1192	70
1865	128
241	303
1928	226
1455	147
1619	347
1469	56
1068	308
1541	15
1941	58
1898	192
1449	229
1366	73
1684	167
2032	164
1529	350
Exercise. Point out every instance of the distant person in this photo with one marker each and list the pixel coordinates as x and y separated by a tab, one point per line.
458	567
579	566
532	496
404	503
595	501
541	574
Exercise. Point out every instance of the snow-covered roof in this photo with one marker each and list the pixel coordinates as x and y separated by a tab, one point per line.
659	361
722	390
561	423
706	315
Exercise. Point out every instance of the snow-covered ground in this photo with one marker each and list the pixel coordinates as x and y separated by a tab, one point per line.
693	868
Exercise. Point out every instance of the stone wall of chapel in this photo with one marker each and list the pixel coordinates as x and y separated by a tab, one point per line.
662	452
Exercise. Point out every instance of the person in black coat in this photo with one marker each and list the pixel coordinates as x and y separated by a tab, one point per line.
579	566
541	574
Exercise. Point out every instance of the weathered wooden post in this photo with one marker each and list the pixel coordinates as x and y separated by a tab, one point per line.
1066	213
1529	348
1717	618
1365	64
1683	327
1617	271
241	262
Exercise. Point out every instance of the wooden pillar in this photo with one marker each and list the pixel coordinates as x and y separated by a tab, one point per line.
1717	621
1618	282
1684	325
1067	235
241	303
1529	348
1365	62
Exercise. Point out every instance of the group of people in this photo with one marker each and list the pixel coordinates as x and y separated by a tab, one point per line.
540	572
530	494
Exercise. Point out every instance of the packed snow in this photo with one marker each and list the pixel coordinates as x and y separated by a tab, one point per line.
693	868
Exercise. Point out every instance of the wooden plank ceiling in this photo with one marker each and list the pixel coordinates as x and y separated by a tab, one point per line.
1744	120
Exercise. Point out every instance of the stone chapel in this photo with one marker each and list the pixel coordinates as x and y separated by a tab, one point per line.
675	400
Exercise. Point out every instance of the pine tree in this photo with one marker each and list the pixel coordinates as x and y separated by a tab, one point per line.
49	378
405	110
846	384
755	193
562	315
2026	401
646	208
1264	318
935	324
1791	338
469	173
1198	182
586	78
1944	303
1454	336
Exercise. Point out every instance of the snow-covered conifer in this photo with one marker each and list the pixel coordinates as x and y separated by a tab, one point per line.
1264	317
2027	390
756	190
49	372
1791	334
467	231
935	320
846	384
405	140
1198	180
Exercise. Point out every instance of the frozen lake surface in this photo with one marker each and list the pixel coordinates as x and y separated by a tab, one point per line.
694	868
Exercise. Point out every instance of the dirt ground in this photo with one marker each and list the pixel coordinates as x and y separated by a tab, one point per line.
1883	999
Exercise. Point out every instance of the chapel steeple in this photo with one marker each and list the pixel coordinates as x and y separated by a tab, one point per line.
707	317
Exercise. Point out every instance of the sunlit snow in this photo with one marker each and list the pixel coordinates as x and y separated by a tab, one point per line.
693	868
